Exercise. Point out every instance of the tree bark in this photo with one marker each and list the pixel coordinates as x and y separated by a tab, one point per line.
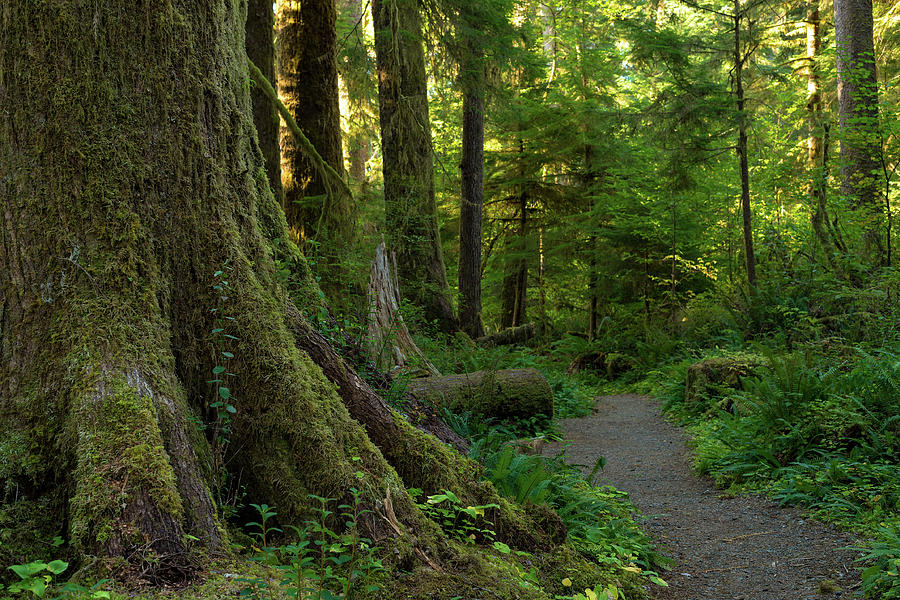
858	118
261	50
119	215
514	292
308	85
815	139
410	208
472	196
388	340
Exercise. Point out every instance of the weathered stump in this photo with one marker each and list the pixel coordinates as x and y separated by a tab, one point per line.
389	340
609	364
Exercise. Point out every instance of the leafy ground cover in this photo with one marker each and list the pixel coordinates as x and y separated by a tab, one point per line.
819	429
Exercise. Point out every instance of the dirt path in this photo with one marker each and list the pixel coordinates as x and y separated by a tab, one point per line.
724	548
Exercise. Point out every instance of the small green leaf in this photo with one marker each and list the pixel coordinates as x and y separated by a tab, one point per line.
28	570
227	354
230	408
57	566
501	547
218	370
224	393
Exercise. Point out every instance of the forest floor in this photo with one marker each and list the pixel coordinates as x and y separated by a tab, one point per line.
724	548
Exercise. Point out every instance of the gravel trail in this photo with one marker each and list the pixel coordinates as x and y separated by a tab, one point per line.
739	548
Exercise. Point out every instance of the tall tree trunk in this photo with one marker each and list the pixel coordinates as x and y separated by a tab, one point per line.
739	58
261	50
858	116
409	201
815	139
308	85
472	196
121	213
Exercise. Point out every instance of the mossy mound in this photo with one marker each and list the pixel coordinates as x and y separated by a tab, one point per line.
717	376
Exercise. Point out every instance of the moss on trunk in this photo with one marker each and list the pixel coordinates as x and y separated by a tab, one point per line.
410	209
131	177
308	85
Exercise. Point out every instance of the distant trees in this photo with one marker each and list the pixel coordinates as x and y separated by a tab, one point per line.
308	84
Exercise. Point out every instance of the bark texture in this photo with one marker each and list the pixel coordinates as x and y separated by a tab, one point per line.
308	85
858	117
746	216
410	209
261	50
389	341
514	293
472	198
815	140
502	394
132	177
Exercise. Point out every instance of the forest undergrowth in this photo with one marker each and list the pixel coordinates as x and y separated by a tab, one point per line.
812	419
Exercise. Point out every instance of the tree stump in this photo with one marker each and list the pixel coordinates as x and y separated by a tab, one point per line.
390	343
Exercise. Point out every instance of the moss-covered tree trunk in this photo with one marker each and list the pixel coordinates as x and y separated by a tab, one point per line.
308	85
132	185
815	140
261	50
472	197
410	208
858	116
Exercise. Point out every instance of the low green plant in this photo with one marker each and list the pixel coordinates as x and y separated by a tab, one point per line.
36	578
320	564
465	523
881	578
222	405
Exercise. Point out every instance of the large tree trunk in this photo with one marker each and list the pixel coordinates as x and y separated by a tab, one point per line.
308	84
858	116
261	50
120	213
410	208
472	197
815	139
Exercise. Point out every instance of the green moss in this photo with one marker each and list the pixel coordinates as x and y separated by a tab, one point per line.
120	455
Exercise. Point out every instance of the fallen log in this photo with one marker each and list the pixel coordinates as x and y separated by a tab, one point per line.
508	337
500	394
